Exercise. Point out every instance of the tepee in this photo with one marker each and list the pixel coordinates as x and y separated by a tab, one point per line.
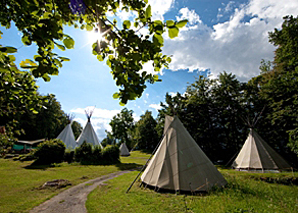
124	150
67	136
88	133
256	154
179	163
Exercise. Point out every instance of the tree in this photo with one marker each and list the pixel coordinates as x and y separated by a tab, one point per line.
122	126
286	40
145	133
123	47
76	128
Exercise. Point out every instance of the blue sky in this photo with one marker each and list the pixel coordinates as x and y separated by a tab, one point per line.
221	35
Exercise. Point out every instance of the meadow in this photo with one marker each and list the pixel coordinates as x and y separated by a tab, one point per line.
245	192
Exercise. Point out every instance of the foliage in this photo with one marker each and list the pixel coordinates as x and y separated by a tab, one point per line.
125	49
76	129
49	152
286	54
6	144
49	121
68	156
122	126
83	153
88	154
145	134
111	154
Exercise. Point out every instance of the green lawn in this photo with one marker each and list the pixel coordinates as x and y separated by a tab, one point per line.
19	190
244	193
19	182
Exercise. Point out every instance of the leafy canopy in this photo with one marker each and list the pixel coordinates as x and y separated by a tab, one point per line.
125	49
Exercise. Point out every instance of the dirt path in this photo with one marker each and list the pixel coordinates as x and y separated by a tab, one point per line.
73	199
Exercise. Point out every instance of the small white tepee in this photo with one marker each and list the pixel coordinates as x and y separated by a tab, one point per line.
67	136
179	163
256	154
124	150
88	133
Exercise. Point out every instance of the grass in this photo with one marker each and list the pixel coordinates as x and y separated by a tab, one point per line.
245	192
20	182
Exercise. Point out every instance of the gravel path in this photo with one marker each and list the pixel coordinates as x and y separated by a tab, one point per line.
73	199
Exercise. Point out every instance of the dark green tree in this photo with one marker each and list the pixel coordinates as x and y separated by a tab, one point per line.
286	40
76	128
145	133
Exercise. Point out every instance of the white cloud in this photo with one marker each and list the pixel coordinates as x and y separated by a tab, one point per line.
159	8
236	45
155	106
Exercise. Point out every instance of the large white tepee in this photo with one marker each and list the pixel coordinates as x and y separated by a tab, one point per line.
67	136
124	150
88	133
179	163
256	154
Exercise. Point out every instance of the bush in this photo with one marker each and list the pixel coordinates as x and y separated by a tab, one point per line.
69	156
97	154
49	152
83	153
111	154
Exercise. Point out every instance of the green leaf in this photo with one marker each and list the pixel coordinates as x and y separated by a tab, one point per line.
99	57
26	41
170	23
8	49
89	27
116	95
126	24
46	77
148	12
121	104
155	77
64	58
69	43
173	32
61	47
182	23
158	39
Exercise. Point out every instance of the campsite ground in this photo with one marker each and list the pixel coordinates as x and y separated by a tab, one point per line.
246	192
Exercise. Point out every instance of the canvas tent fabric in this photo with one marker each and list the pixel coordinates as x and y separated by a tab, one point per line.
257	154
88	135
124	150
67	137
179	163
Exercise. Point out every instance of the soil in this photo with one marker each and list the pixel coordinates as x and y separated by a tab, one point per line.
73	199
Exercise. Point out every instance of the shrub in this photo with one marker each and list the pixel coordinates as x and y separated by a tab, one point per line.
83	153
69	156
97	154
49	152
111	154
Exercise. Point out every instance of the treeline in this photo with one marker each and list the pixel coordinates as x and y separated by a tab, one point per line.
218	112
25	113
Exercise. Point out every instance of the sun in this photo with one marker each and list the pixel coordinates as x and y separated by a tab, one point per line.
94	36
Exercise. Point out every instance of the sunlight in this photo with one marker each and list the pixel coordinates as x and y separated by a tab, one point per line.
93	36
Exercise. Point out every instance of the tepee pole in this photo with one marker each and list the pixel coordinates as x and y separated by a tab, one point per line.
147	160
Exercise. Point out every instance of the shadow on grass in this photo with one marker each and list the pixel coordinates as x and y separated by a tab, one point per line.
129	166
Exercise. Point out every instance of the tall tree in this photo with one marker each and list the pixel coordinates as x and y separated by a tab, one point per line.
145	133
122	126
286	40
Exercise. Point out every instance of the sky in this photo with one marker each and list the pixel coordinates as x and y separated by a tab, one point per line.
221	35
